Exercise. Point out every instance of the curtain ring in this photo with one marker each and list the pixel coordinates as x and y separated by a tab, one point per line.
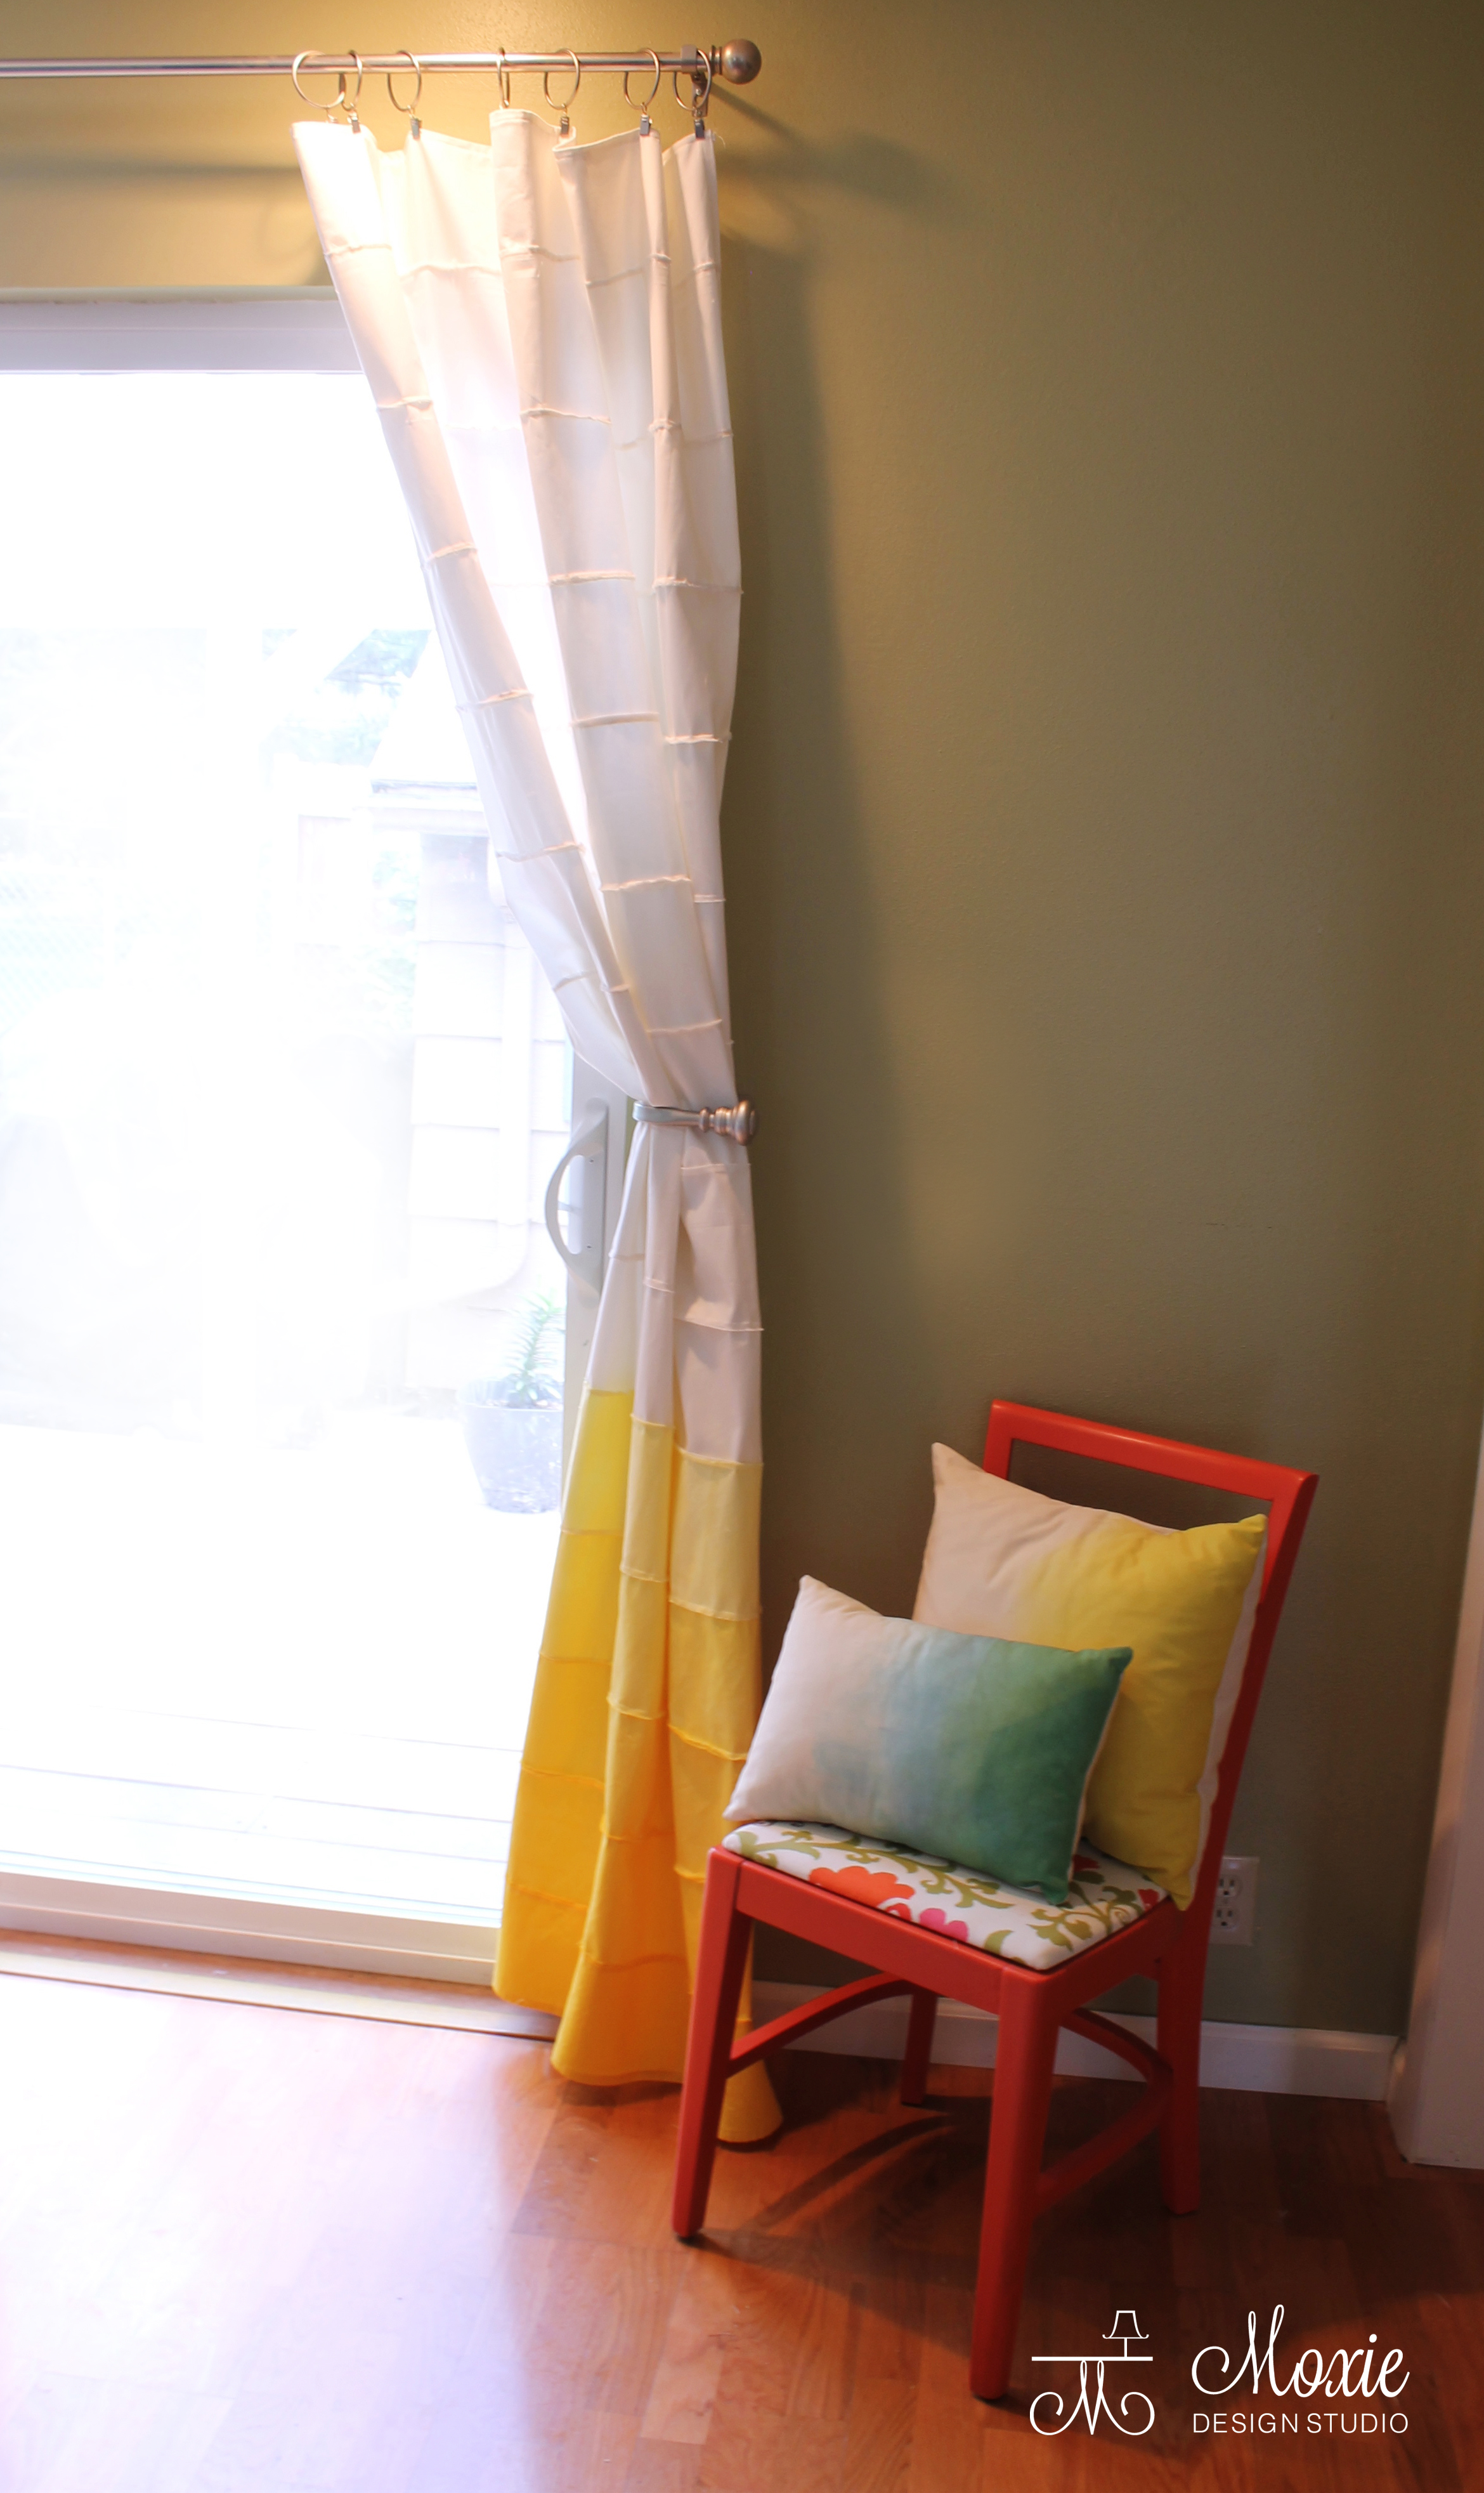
503	74
415	126
350	102
700	96
330	110
643	109
564	126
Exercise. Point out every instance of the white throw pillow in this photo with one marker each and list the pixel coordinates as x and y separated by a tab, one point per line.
977	1749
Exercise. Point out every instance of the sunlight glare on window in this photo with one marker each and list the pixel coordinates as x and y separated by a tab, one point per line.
281	1085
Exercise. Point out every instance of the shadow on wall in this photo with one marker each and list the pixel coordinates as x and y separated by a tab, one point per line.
807	973
807	988
862	164
806	984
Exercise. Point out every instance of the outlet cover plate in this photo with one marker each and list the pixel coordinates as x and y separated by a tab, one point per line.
1234	1918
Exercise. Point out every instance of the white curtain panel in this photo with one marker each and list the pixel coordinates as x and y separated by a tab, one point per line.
540	325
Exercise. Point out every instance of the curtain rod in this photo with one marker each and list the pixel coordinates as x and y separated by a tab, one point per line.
738	63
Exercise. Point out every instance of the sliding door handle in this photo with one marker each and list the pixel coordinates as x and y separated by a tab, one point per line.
589	1144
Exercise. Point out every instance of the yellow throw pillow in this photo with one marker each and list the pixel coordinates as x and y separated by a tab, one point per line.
1002	1561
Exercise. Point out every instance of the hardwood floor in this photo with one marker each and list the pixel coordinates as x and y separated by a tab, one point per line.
248	2250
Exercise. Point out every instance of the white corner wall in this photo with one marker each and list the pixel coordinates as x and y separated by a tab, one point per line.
1438	2091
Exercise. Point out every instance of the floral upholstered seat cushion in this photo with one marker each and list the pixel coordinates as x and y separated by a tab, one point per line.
958	1904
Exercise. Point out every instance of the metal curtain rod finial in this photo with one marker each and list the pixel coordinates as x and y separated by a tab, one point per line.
737	63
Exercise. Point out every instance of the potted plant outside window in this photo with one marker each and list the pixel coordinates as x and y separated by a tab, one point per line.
513	1423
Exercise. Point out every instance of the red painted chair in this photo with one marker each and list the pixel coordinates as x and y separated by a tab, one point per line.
1031	2006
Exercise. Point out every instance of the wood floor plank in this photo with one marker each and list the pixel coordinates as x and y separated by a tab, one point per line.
877	2453
949	2428
664	2467
703	2317
788	2351
71	2431
771	2454
627	2197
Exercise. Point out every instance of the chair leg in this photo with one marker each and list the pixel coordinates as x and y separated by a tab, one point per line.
1181	1996
1024	2057
918	2055
721	1962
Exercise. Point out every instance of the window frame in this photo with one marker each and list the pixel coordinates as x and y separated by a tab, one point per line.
169	330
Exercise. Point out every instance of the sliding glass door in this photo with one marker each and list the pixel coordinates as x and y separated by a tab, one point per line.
281	1093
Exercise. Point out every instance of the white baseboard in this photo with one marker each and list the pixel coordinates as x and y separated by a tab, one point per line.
1259	2060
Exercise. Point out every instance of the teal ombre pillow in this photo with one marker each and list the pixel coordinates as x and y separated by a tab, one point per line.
964	1746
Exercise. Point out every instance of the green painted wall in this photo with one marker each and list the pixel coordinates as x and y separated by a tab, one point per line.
1108	900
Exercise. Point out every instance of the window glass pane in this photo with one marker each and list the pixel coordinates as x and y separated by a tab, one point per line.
281	1086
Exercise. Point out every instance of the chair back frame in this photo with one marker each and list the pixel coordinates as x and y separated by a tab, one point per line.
1288	1496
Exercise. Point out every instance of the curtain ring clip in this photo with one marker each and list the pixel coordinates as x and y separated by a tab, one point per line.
564	126
348	103
645	123
414	126
701	94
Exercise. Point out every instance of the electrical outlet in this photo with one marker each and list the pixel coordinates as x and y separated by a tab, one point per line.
1237	1899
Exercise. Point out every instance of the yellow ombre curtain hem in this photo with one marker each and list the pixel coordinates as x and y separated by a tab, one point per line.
647	1693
